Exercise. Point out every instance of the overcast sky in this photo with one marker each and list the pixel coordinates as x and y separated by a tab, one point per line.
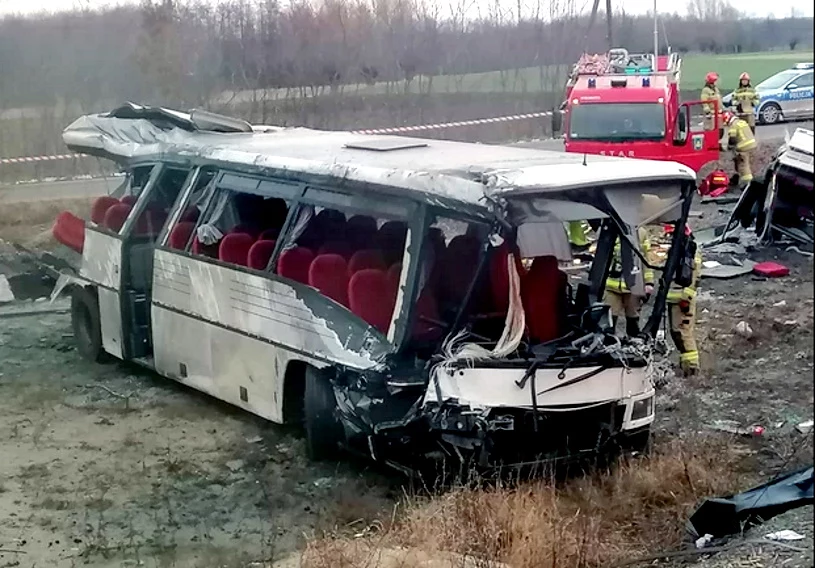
761	8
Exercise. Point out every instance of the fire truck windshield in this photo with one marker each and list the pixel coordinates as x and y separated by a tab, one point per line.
614	122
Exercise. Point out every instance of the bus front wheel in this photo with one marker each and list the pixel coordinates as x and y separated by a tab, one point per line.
323	430
85	324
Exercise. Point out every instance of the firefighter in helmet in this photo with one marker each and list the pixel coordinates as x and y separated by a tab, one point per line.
741	141
682	306
711	95
622	300
746	99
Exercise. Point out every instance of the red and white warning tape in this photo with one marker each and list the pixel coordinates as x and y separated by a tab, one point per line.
392	130
29	159
442	125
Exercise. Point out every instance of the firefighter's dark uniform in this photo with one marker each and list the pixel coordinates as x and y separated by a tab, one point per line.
618	296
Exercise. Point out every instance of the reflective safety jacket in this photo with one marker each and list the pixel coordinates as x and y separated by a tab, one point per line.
577	233
711	93
677	293
615	281
747	97
741	136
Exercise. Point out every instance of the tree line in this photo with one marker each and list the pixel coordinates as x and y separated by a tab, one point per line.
188	52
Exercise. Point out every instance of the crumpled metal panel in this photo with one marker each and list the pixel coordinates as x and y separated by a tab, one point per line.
298	318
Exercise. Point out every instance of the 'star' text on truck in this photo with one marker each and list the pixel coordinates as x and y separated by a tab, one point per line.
621	104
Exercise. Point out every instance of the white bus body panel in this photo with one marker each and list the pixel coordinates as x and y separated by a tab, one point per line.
231	329
102	265
496	388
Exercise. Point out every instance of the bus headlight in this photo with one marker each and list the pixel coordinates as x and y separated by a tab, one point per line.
642	408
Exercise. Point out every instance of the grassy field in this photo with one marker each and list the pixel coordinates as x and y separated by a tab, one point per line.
729	67
551	78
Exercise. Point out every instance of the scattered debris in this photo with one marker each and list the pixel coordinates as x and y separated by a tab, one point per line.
704	541
733	427
786	534
805	427
6	295
323	482
721	200
711	264
780	304
799	251
743	329
771	269
733	514
254	440
234	465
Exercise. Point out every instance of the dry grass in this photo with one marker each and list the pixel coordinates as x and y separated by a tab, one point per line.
29	222
640	506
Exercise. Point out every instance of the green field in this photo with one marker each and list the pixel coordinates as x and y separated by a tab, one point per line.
729	67
552	78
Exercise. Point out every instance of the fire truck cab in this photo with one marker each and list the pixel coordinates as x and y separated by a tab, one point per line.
621	104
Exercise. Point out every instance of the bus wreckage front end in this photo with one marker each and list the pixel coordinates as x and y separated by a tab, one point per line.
516	402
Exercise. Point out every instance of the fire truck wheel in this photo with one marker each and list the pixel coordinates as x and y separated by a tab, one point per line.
323	429
85	324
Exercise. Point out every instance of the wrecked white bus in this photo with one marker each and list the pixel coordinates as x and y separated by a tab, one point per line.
372	287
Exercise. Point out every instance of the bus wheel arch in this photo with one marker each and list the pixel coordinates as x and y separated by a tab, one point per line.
309	400
86	323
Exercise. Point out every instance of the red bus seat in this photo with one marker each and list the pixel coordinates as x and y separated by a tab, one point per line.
329	274
543	291
116	216
364	259
100	207
259	254
372	298
180	235
234	248
294	264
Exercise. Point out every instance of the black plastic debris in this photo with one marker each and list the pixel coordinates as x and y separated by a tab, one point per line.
730	515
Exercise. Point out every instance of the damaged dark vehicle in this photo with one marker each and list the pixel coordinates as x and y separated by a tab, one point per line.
780	204
403	298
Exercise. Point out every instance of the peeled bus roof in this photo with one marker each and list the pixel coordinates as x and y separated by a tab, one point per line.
432	169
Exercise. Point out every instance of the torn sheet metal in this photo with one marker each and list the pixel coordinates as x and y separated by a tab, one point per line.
730	515
727	271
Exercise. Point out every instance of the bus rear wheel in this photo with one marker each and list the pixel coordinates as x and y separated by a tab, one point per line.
324	433
86	327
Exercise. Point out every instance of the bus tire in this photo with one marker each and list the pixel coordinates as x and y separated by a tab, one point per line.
85	324
323	429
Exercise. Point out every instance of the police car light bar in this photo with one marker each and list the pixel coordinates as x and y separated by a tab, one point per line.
804	66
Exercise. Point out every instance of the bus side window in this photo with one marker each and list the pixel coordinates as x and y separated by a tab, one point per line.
161	198
235	227
353	258
180	235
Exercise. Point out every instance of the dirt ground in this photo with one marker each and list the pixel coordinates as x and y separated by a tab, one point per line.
108	465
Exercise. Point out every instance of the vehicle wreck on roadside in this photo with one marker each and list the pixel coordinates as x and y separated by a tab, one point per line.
781	203
401	297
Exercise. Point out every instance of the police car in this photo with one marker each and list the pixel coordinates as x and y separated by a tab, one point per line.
787	95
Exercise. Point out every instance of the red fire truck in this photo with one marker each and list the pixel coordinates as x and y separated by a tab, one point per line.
621	104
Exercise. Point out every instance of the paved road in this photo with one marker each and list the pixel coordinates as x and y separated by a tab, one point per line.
89	188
